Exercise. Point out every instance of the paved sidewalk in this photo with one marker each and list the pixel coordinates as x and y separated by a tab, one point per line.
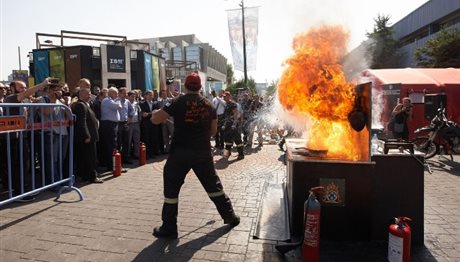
116	218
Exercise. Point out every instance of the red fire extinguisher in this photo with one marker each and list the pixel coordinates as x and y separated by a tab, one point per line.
116	156
142	154
399	240
312	215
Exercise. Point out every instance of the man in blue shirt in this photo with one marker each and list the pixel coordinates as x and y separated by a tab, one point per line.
110	116
126	113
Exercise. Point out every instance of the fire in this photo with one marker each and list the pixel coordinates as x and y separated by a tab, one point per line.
314	84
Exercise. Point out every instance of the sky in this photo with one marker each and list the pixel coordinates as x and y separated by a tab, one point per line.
279	22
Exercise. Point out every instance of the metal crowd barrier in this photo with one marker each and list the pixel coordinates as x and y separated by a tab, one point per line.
36	150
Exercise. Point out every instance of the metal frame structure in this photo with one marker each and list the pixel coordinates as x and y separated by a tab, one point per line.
179	66
116	39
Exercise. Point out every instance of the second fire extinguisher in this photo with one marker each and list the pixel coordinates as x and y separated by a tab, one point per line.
116	163
142	154
312	215
399	240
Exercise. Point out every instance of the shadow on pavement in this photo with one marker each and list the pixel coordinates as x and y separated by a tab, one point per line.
367	251
169	250
252	150
12	223
223	163
445	165
282	158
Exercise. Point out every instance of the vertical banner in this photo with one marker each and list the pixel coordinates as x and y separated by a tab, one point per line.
162	64
22	75
148	71
156	73
57	67
235	30
73	66
116	60
41	65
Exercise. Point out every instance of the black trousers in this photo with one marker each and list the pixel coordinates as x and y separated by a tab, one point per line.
233	135
123	139
219	137
149	135
179	163
85	160
109	130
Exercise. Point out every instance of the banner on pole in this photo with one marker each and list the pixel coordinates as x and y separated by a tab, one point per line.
41	65
156	73
148	71
57	68
235	30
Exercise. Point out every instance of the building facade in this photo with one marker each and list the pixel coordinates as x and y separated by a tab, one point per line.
423	24
185	53
412	31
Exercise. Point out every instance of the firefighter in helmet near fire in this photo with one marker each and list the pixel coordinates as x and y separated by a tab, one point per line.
195	121
232	127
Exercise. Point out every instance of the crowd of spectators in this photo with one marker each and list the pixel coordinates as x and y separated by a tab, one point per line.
112	118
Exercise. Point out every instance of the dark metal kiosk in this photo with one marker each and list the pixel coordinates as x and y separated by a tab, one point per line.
360	198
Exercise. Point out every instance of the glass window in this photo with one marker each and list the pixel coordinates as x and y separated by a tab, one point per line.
133	54
96	52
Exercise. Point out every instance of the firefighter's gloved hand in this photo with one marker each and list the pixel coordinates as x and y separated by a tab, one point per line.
223	128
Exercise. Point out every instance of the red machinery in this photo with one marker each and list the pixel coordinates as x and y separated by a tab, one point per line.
425	86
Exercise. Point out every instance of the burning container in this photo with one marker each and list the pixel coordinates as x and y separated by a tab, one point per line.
362	194
346	202
360	198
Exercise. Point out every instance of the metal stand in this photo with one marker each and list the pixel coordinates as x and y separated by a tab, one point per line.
424	163
441	154
69	187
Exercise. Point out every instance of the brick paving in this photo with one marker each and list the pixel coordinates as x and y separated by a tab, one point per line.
115	220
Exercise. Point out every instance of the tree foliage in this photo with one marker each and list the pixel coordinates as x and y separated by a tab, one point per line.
230	74
271	88
233	88
383	48
441	51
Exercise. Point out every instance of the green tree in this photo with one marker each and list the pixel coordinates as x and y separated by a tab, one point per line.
441	51
383	48
271	88
233	88
230	74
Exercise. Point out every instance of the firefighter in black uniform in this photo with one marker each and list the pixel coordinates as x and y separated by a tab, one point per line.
195	121
231	127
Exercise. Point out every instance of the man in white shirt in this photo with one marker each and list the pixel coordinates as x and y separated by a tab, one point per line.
219	105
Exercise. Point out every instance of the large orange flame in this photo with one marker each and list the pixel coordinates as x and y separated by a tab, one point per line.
315	85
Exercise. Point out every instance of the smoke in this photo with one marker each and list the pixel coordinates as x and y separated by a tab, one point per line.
377	102
273	116
354	63
377	108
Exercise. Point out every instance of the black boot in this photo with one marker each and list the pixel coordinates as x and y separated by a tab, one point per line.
169	227
281	144
233	220
225	208
240	153
163	232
